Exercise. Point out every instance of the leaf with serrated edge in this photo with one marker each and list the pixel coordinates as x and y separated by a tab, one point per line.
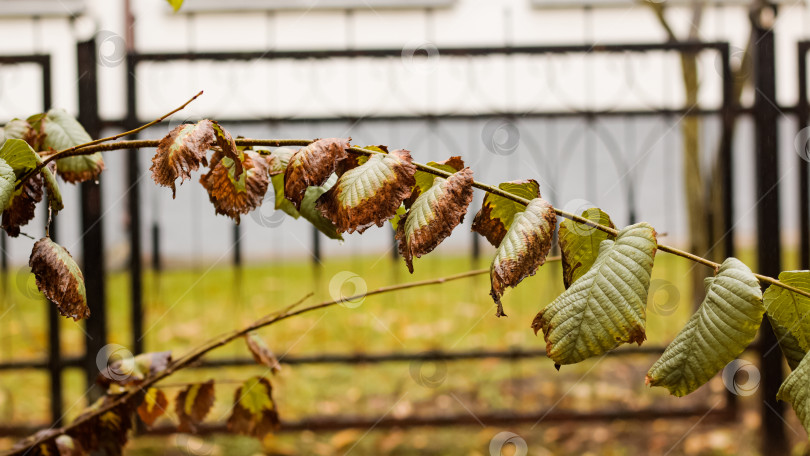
311	166
254	411
62	131
261	352
579	244
789	314
523	249
606	307
495	216
796	391
153	406
723	326
181	152
59	278
369	194
192	405
434	215
233	194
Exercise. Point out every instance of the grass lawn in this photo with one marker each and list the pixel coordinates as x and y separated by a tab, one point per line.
187	307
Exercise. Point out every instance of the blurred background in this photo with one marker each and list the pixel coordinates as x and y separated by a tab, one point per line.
687	114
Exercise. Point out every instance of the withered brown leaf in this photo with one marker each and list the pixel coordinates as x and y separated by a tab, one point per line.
523	249
192	405
233	194
59	278
107	432
434	215
254	411
153	406
311	166
496	214
370	193
228	147
181	152
261	352
22	206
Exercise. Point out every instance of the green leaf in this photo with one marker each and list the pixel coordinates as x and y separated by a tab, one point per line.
523	249
788	313
497	212
22	158
424	180
605	307
434	215
14	129
796	390
7	181
175	4
62	131
579	244
724	325
369	194
278	160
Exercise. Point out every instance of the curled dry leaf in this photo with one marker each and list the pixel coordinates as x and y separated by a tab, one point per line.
228	147
523	248
605	307
233	194
497	212
261	352
311	166
153	406
181	152
59	278
434	215
22	206
192	405
369	194
254	411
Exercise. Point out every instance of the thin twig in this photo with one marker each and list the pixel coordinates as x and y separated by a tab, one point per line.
70	151
197	353
441	173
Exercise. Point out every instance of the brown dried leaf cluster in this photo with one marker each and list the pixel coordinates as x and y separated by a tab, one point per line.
370	193
181	152
311	166
232	195
59	278
192	405
254	412
105	433
434	215
523	249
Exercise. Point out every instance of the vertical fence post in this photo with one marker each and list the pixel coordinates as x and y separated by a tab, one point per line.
54	349
92	234
769	257
803	112
134	206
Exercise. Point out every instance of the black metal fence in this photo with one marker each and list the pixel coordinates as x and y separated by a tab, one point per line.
93	239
